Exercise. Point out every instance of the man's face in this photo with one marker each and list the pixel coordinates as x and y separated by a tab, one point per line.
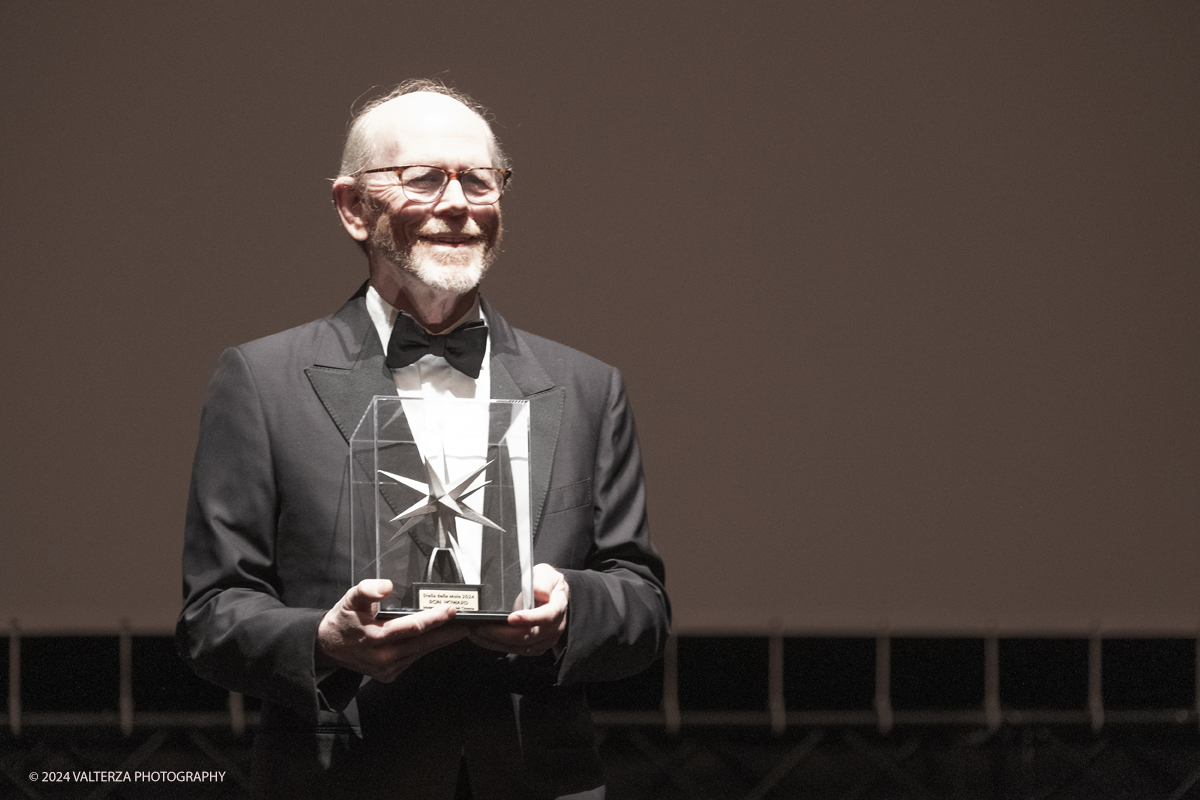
448	243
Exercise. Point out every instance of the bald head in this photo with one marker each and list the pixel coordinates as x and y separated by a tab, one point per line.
413	107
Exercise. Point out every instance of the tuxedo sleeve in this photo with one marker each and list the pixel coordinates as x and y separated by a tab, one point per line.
618	614
235	630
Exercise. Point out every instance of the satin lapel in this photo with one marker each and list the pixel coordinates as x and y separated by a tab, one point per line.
517	375
349	369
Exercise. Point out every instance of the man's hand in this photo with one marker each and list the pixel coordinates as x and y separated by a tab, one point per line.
532	632
351	637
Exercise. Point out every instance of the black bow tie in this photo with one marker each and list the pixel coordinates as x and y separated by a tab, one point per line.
462	347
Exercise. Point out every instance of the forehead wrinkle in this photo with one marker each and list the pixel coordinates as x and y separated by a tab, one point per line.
425	122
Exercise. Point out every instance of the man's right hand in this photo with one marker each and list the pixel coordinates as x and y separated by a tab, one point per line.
350	636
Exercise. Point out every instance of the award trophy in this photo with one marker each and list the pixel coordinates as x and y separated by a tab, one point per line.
440	504
447	502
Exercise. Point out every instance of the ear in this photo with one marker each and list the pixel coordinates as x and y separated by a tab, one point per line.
351	208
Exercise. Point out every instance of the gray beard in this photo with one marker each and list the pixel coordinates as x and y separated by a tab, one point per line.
455	273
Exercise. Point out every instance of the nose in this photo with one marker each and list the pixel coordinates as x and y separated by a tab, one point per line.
453	200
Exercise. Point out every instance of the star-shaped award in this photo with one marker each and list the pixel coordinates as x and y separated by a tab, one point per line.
445	499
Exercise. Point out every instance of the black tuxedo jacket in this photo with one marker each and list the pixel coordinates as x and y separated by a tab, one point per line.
267	553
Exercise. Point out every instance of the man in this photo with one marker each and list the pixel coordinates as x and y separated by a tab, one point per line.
419	706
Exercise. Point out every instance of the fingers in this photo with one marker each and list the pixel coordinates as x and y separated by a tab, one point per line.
382	649
550	590
394	659
416	625
548	613
375	589
399	642
365	594
519	640
531	631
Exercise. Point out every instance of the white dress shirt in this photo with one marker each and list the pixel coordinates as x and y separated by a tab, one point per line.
431	376
464	446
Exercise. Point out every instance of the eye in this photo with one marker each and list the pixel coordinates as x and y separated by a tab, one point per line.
473	181
423	179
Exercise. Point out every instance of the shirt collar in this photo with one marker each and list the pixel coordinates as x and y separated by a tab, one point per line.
383	315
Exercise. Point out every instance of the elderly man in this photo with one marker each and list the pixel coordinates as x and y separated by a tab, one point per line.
419	706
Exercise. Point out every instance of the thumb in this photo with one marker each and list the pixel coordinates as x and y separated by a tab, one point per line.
367	592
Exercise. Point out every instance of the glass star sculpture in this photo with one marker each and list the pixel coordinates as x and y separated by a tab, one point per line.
445	499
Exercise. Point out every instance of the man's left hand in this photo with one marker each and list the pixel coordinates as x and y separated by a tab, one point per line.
536	630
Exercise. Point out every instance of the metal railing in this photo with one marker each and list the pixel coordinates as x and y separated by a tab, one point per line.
883	716
775	715
126	716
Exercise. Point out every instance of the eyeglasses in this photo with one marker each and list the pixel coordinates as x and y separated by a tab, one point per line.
482	186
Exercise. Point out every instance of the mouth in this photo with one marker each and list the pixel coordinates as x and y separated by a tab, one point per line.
452	240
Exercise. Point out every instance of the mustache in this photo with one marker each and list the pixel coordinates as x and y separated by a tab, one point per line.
436	227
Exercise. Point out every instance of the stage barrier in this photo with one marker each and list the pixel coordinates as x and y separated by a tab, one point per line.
774	682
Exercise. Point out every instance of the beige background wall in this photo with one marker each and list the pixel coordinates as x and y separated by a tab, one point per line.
906	294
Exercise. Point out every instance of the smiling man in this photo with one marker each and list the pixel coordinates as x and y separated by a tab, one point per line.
420	706
429	237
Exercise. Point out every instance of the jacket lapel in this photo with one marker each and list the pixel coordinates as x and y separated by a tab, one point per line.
517	375
349	370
